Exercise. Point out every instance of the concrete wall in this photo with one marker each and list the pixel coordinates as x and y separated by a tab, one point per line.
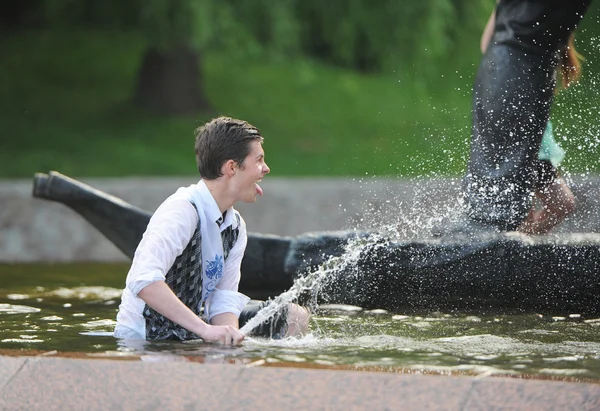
38	230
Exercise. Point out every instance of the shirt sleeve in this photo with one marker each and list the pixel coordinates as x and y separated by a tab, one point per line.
168	233
226	301
226	298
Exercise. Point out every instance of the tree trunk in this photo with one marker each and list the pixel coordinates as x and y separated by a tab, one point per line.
17	14
170	82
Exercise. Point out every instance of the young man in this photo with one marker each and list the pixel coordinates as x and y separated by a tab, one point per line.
187	265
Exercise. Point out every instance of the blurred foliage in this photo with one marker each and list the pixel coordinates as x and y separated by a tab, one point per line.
385	35
388	36
66	106
338	88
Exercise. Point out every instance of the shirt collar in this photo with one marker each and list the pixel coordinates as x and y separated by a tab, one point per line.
211	208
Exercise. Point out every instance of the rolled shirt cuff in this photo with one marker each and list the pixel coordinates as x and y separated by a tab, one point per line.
143	281
225	301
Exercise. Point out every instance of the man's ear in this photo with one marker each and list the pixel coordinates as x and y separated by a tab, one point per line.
229	168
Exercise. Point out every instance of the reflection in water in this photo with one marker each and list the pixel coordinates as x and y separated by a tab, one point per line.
17	309
57	314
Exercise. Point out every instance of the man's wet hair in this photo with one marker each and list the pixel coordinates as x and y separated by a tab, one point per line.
220	140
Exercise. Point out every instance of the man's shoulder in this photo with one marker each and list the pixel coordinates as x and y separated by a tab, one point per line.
180	195
178	202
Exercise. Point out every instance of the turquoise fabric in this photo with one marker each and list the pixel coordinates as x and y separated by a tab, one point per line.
549	149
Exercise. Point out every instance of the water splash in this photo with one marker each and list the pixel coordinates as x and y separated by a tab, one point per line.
314	280
431	202
17	309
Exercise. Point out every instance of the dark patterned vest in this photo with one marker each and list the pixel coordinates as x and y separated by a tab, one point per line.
185	279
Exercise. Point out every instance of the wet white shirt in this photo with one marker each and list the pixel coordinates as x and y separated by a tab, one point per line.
168	233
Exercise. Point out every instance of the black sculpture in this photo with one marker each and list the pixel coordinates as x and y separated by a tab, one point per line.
494	273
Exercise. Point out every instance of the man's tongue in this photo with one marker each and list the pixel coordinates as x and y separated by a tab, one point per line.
258	190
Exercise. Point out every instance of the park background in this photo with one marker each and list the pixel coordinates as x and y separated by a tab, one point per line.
110	88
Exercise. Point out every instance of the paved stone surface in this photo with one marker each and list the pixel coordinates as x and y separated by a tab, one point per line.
99	384
38	230
8	369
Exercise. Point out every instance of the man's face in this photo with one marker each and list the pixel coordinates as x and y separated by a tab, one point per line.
251	173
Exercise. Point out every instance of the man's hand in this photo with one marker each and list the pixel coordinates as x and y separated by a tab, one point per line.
222	334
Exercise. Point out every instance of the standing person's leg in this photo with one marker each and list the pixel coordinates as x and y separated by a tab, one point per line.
511	105
512	97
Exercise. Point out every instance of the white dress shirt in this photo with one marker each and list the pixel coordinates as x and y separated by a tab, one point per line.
168	233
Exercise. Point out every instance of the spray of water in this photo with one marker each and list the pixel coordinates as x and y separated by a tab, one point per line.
314	280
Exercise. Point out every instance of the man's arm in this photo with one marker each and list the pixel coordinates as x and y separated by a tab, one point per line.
161	298
488	32
168	233
226	319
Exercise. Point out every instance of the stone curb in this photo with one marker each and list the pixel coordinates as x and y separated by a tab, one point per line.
38	383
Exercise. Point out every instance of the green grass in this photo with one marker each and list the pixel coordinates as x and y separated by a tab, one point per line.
65	106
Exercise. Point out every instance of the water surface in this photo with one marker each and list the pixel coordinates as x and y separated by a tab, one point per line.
57	309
